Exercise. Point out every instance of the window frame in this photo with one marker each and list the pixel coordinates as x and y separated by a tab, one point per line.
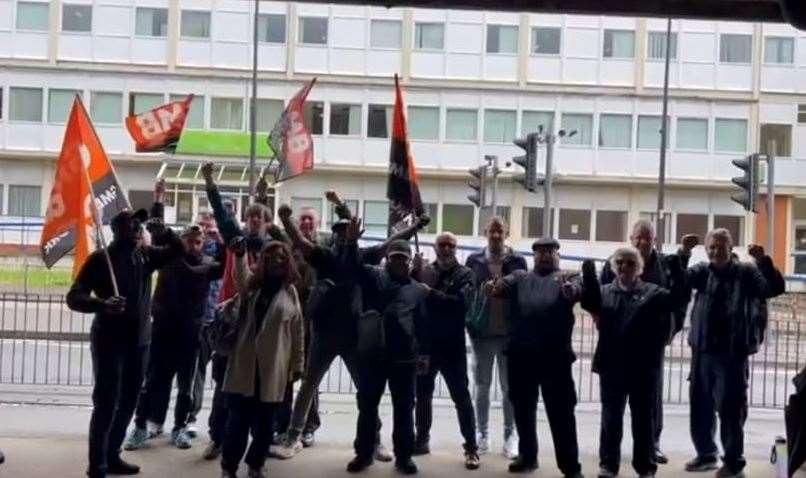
387	124
599	130
106	92
429	49
42	115
749	50
373	22
717	121
533	34
285	28
369	225
579	210
67	116
623	217
605	31
486	111
349	110
311	127
244	108
14	187
500	26
167	23
677	146
472	228
17	17
301	31
449	109
438	134
183	36
779	38
62	17
565	140
659	118
674	44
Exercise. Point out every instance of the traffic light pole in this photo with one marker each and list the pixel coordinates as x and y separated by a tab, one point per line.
771	198
547	225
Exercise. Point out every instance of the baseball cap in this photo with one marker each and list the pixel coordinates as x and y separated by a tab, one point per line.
399	247
545	242
127	215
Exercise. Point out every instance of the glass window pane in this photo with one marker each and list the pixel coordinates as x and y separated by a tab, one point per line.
734	224
429	36
458	219
778	136
575	224
76	18
649	132
376	217
532	222
313	114
313	30
59	104
271	28
730	135
195	24
582	124
379	121
2	210
546	41
485	215
499	126
24	201
431	210
619	44
423	122
656	46
779	50
33	16
692	133
611	226
106	108
615	131
533	120
25	104
502	39
385	34
692	224
345	119
735	48
226	113
151	22
195	119
268	112
801	113
142	102
461	125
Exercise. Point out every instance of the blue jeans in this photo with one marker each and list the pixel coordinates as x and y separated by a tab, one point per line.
485	353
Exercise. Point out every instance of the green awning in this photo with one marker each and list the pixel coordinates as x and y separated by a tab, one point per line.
221	143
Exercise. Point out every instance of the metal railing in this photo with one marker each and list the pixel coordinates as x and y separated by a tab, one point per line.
42	342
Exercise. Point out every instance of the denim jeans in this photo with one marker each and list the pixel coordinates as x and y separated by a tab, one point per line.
485	352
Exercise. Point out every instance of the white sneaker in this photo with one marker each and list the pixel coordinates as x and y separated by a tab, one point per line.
483	442
192	430
154	429
287	450
257	473
511	447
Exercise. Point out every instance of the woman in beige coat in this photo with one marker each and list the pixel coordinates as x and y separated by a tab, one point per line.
268	355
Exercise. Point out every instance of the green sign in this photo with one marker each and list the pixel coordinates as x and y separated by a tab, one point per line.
221	143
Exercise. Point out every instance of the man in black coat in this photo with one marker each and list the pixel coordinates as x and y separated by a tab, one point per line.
121	331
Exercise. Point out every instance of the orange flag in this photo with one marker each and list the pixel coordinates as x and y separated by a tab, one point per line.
85	191
160	128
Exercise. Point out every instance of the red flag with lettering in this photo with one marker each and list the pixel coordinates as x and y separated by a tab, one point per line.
160	128
86	191
291	140
403	190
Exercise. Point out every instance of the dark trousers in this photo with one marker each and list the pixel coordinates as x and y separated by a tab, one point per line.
247	414
118	370
719	386
401	377
640	388
171	354
528	374
657	408
453	367
205	355
219	412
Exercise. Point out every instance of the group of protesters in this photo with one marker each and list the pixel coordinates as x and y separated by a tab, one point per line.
272	304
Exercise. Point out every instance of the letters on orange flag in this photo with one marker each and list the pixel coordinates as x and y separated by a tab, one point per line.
160	128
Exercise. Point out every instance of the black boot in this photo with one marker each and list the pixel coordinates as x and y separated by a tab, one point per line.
406	466
116	466
520	466
359	463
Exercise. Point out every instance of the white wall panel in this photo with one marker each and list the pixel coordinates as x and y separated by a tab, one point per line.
721	166
581	43
194	53
799	145
427	65
383	62
574	160
785	113
348	61
271	57
24	136
75	47
620	73
464	37
348	32
699	47
427	155
52	137
647	163
342	150
311	59
654	71
688	165
734	77
778	78
545	69
376	152
697	75
111	49
6	15
458	156
580	71
114	21
614	162
231	26
149	50
499	67
6	44
232	55
589	21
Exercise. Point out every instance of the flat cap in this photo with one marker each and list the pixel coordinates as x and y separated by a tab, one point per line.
545	242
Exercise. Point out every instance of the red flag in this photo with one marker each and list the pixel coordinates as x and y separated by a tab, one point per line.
402	190
85	184
158	129
291	140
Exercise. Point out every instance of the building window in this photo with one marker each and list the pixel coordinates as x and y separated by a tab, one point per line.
615	131
195	118
151	22
1	199
801	114
268	112
1	108
582	124
692	133
532	222
226	113
25	104
142	102
379	121
271	28
611	226
532	121
692	224
423	122
24	201
734	224
546	41
33	16
730	135
376	217
656	46
195	24
105	108
429	36
575	224
345	119
781	135
385	34
667	231
313	113
779	50
458	219
76	18
430	210
60	102
297	204
502	39
649	132
332	217
486	213
461	125
619	44
735	48
313	30
499	126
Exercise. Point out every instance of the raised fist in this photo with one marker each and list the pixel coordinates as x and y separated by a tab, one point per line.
756	251
207	171
284	211
690	241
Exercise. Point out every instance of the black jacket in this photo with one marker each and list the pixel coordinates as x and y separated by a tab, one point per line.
451	292
747	288
477	262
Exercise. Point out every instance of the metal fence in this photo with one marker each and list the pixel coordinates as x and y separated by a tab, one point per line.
42	342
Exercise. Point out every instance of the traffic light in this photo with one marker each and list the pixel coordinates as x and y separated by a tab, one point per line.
748	182
479	185
528	178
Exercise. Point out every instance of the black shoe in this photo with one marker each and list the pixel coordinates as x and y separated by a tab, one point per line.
117	466
701	463
406	466
576	474
359	463
422	449
661	458
606	473
2	458
727	472
520	466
